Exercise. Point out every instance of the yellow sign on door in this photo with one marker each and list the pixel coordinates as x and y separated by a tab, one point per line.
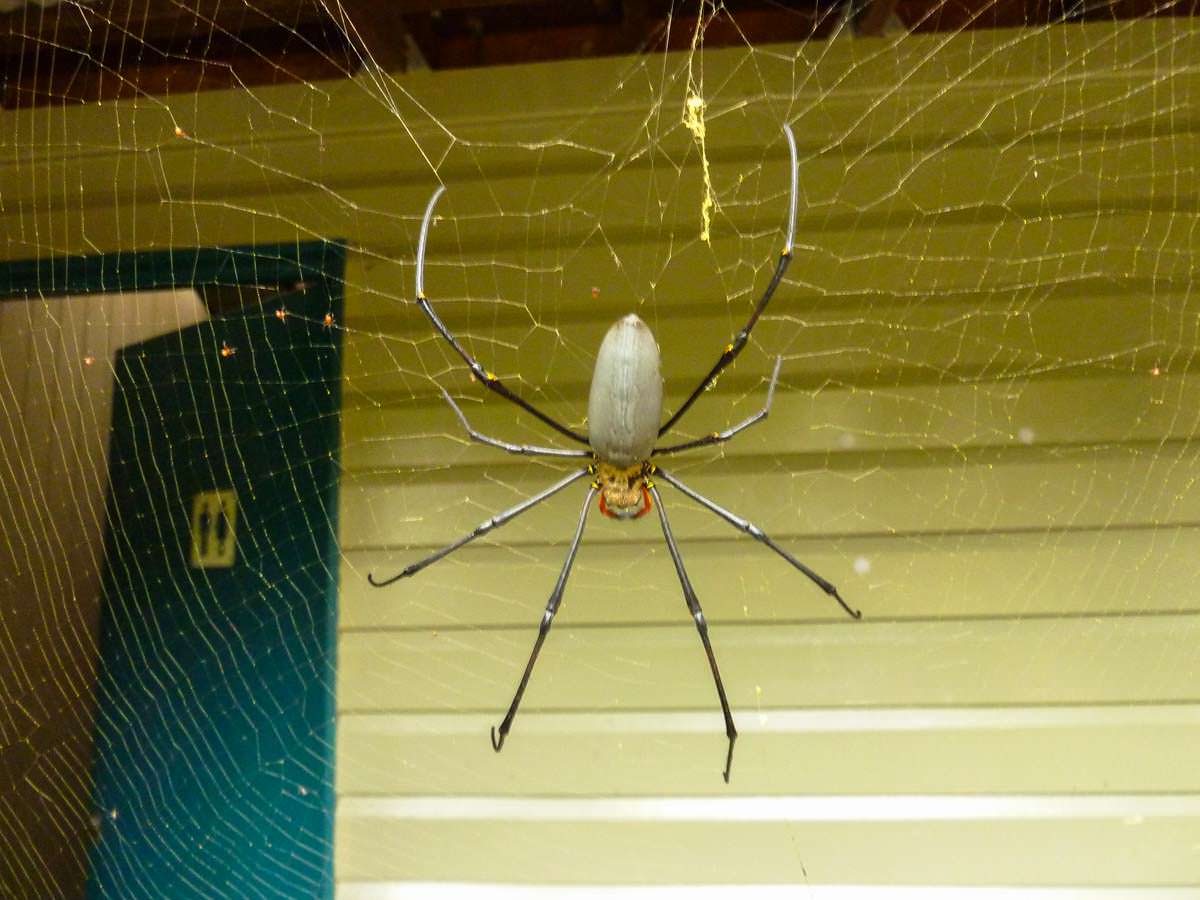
214	521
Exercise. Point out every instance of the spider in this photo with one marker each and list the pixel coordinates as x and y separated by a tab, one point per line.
624	411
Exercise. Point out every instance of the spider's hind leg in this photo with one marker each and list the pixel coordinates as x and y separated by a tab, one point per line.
755	532
693	603
480	530
544	629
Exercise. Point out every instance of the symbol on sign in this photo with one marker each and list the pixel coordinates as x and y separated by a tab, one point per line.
214	517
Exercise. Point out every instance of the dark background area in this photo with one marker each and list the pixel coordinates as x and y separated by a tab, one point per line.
78	52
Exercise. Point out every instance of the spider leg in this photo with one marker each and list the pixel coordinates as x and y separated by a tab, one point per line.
693	604
481	529
718	437
547	619
755	532
733	349
522	449
490	381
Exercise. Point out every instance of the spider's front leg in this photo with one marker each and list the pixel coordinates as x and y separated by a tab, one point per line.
718	437
490	381
519	449
734	347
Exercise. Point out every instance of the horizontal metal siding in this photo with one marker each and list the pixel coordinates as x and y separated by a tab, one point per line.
966	404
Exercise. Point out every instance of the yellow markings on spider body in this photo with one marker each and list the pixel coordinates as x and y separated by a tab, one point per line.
608	472
622	485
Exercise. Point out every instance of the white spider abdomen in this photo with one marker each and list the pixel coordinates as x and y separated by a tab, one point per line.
625	404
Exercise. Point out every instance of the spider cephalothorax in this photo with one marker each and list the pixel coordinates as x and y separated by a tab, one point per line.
624	493
624	412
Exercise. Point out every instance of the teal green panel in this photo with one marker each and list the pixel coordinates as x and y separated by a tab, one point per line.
215	722
271	264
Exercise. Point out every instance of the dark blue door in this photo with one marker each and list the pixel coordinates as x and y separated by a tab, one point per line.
215	723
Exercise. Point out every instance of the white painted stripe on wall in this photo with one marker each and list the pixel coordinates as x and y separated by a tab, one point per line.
1129	808
439	890
794	720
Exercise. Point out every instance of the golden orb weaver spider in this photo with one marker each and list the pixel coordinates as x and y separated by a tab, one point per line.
624	410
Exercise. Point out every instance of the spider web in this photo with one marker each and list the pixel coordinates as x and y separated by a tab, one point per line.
983	433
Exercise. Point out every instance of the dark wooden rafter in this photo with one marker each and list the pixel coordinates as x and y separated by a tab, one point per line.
107	49
376	31
122	48
874	18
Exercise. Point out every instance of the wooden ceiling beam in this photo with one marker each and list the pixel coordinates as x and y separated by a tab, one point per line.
105	49
376	31
79	26
75	24
115	69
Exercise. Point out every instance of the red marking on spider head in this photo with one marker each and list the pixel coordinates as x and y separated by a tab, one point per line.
627	512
